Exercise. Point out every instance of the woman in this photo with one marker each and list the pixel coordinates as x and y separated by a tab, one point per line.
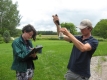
21	47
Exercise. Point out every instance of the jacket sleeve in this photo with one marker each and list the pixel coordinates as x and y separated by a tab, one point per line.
19	51
31	58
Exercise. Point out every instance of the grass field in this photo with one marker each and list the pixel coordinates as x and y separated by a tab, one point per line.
51	64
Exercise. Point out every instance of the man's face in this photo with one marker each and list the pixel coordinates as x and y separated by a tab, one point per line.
85	31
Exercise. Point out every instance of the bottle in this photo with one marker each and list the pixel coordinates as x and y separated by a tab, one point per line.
61	35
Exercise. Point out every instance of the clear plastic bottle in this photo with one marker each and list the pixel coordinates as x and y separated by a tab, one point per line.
60	35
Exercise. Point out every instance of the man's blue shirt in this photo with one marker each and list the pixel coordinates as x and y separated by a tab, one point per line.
79	62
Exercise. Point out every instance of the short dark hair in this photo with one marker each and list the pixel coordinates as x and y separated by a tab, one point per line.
29	28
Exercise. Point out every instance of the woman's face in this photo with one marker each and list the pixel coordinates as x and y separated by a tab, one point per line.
28	35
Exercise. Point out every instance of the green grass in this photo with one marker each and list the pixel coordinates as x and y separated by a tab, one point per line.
51	64
47	36
102	49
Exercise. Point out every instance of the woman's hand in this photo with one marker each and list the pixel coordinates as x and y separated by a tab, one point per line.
33	55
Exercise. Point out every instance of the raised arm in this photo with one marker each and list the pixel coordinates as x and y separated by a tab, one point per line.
70	37
58	26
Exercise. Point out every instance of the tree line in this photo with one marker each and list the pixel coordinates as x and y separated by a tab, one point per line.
10	19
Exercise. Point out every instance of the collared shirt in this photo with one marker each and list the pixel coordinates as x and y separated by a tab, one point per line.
79	62
19	53
30	64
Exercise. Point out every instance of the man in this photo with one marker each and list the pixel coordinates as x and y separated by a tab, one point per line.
82	51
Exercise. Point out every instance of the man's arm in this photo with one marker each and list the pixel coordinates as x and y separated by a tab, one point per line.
82	47
69	37
57	23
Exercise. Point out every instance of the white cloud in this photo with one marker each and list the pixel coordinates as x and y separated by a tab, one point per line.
39	12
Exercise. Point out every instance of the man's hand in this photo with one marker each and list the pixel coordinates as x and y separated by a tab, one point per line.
64	31
56	19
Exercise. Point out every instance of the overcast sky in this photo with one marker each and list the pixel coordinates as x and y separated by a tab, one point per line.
39	12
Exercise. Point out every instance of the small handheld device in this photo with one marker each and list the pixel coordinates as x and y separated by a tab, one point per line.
34	51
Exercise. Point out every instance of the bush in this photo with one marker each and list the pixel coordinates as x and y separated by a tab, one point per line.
101	39
40	35
1	39
6	36
47	38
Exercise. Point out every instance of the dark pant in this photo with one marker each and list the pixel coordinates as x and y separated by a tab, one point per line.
72	76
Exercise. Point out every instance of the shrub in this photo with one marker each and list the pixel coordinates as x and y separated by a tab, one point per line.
40	35
100	39
6	36
1	39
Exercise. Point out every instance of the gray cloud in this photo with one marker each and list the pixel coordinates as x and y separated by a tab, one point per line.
40	13
74	16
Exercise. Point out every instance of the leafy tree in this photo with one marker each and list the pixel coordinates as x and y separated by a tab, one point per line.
6	36
16	32
9	16
100	29
70	26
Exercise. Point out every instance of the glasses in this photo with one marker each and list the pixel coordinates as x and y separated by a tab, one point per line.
30	34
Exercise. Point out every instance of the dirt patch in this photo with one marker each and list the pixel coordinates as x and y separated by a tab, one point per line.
98	68
104	71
